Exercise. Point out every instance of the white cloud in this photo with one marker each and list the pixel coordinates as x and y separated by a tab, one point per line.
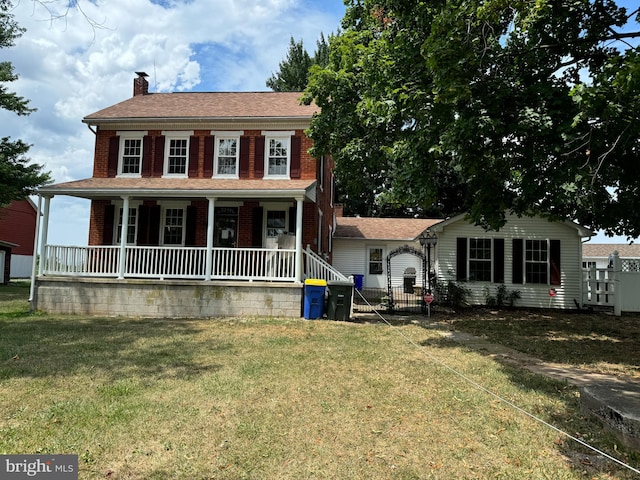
69	69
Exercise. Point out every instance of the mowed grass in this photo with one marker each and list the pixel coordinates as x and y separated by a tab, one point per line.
598	343
278	399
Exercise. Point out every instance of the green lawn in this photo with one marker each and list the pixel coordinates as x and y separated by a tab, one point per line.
271	398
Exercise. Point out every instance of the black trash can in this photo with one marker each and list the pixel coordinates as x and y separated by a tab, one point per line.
339	299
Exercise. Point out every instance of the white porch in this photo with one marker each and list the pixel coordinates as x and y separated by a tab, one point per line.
184	263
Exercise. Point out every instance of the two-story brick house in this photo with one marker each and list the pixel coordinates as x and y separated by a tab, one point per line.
207	186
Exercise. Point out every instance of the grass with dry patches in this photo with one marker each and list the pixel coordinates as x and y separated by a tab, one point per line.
599	343
273	398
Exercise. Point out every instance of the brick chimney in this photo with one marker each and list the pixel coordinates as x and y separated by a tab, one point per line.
339	210
140	84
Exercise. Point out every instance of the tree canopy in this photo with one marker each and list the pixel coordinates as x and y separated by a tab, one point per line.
485	107
293	73
18	177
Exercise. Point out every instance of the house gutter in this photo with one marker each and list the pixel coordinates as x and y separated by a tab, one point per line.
168	120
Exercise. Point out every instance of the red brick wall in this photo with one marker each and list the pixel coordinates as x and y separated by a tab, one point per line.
245	221
18	225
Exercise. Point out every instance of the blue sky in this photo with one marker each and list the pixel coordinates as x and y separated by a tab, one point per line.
69	68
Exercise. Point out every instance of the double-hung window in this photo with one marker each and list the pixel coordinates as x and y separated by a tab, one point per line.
132	226
278	154
130	158
173	226
480	260
536	261
177	154
375	261
227	151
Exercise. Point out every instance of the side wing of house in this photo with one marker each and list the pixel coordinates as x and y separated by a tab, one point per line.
368	257
540	259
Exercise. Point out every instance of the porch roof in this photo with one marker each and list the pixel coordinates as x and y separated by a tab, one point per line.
407	229
182	188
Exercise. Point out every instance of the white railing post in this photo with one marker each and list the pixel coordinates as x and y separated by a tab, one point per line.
617	291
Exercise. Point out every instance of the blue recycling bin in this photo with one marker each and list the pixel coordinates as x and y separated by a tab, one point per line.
314	298
358	281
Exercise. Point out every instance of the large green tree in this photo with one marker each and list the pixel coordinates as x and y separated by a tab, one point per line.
293	72
486	107
18	176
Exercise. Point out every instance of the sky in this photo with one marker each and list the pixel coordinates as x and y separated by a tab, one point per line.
69	68
76	62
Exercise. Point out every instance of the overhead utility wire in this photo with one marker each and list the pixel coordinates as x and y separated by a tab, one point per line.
495	395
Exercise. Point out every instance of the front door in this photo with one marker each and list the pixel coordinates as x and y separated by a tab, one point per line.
225	231
276	222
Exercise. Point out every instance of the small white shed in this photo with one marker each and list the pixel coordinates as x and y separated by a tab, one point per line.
539	258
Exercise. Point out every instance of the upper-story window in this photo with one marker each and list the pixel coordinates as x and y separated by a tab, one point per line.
277	154
177	153
227	152
130	157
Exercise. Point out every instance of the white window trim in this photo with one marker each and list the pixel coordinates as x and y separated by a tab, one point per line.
163	221
119	205
547	242
175	135
129	136
277	135
226	136
490	261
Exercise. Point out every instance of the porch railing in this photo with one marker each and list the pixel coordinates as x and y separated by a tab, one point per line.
171	262
316	267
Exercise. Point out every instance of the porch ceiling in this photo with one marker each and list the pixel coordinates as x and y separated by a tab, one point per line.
183	188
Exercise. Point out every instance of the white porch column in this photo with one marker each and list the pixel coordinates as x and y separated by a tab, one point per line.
45	233
123	236
299	208
34	265
210	224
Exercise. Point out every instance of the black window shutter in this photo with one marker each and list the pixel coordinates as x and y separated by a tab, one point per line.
194	150
147	159
209	141
154	225
296	146
554	256
190	234
109	220
498	260
112	156
143	225
243	168
517	256
158	161
461	259
256	233
292	220
258	166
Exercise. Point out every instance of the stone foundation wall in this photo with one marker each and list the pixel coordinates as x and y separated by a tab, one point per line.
167	298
